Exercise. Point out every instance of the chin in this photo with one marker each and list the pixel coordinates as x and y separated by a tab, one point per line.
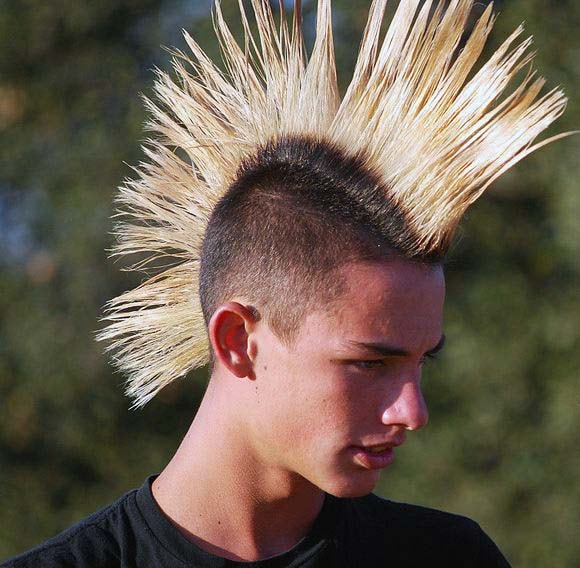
355	485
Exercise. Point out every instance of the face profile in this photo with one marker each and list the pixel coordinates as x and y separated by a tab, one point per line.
331	406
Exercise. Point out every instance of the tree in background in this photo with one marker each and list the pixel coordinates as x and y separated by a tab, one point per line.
504	399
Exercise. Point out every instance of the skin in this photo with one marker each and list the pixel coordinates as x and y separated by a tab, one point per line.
281	424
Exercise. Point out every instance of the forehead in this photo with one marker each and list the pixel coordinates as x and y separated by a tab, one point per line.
395	300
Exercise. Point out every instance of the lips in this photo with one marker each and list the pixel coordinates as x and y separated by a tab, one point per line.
376	456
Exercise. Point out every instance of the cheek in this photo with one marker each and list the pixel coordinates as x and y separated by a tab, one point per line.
308	401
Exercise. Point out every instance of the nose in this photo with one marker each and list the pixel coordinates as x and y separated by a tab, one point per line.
408	408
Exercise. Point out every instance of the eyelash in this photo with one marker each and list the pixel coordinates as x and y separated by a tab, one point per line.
376	363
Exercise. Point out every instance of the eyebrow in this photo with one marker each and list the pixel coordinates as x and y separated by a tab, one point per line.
386	350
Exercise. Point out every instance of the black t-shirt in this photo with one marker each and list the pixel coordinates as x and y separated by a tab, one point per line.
362	532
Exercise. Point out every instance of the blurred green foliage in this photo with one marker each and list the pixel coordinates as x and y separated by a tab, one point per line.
504	399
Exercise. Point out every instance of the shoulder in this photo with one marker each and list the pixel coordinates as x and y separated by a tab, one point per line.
389	512
94	541
408	520
414	534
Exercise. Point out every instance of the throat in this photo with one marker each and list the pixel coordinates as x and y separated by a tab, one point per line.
235	527
229	504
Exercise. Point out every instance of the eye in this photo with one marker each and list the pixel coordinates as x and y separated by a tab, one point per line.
369	364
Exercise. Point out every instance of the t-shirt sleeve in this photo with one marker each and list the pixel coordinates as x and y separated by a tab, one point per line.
485	551
463	543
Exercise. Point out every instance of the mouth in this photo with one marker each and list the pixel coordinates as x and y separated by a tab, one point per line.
374	457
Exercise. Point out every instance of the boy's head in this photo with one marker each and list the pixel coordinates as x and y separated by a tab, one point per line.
263	183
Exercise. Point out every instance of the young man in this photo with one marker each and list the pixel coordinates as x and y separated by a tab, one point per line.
308	235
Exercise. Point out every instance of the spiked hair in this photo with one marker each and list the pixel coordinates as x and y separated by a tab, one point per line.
430	131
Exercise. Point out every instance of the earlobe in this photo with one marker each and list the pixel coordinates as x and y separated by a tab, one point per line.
229	333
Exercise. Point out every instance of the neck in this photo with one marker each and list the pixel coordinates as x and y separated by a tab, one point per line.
227	501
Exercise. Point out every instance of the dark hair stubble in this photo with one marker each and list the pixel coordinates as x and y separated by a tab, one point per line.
298	210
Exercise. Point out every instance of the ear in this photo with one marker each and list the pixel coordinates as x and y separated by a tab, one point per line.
229	330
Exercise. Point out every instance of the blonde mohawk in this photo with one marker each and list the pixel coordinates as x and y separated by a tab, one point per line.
435	132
